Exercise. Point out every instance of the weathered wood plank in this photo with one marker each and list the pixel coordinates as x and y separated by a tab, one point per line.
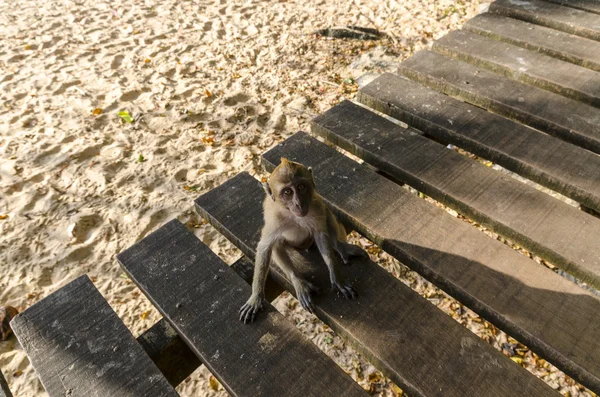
520	64
79	347
565	118
585	5
557	232
567	19
567	47
545	311
200	296
411	341
4	390
549	161
170	353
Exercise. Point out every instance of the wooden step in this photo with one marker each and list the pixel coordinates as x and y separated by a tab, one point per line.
79	347
557	232
520	64
565	118
567	19
543	310
585	5
199	295
567	47
549	161
170	353
416	345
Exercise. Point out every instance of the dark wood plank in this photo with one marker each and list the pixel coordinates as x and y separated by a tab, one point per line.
545	311
520	64
558	232
585	5
419	347
549	161
567	47
567	19
200	296
4	390
565	118
170	353
79	347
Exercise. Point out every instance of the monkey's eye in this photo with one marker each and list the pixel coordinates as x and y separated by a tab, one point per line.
301	186
287	191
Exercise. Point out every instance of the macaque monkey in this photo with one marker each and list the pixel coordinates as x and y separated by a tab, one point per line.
295	217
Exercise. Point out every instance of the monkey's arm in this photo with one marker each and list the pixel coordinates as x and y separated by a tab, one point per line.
325	244
264	252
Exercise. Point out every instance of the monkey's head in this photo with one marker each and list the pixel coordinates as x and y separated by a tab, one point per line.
291	184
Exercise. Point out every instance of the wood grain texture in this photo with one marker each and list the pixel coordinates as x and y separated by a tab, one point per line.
565	118
567	47
558	232
419	347
4	390
567	19
545	311
585	5
170	353
79	347
549	161
200	296
520	64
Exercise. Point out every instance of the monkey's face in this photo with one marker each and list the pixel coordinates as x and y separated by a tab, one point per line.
297	196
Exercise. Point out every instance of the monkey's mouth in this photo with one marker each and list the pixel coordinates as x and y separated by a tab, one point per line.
299	212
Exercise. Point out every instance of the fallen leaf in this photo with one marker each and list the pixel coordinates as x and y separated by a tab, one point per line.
18	373
518	360
125	116
2	217
144	315
146	60
201	171
263	179
214	383
397	391
27	47
208	140
97	111
207	93
141	159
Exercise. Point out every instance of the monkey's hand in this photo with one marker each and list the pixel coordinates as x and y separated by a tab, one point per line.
250	308
344	289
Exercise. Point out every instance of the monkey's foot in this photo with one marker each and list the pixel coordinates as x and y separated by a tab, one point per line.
250	308
304	289
345	290
348	251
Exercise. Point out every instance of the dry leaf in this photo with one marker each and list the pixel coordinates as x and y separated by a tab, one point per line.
207	93
146	60
518	360
18	373
27	47
2	217
263	179
214	383
208	140
97	111
397	391
144	315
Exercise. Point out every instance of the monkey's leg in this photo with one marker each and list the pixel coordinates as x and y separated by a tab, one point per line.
285	257
347	251
325	246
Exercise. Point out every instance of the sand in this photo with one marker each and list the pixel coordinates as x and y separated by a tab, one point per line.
210	86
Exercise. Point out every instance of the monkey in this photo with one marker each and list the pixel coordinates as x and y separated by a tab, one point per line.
295	217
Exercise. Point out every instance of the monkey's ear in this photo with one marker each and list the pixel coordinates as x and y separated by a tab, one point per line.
284	160
268	190
310	172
